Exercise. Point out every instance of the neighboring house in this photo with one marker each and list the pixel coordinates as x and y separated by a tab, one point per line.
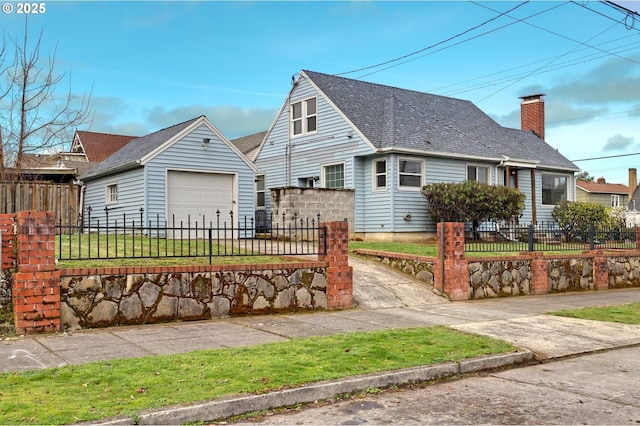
184	173
97	146
386	143
87	149
603	193
62	167
249	145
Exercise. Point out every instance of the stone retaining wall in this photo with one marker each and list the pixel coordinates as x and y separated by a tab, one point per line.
624	271
419	267
514	275
499	278
114	297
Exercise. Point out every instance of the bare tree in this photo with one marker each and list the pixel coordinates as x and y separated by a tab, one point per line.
35	116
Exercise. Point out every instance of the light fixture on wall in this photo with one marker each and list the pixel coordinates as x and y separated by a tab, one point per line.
205	142
350	134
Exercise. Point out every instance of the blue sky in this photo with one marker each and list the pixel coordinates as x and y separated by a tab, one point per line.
149	64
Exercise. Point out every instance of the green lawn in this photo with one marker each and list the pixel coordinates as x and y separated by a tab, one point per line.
125	387
626	314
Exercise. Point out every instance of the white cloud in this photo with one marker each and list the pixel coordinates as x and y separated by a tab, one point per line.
617	143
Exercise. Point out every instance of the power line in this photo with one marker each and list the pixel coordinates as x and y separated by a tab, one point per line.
433	45
606	157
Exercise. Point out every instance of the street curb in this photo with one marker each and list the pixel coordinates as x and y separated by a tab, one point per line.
228	407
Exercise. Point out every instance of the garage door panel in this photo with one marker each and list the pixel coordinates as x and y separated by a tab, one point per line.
199	196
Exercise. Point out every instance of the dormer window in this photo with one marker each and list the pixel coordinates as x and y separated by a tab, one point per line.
304	117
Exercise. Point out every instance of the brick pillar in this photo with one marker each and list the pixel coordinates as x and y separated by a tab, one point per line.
36	284
7	224
451	273
600	270
339	273
539	274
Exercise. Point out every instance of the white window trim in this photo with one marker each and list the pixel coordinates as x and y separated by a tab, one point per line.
108	193
410	188
567	177
615	200
323	167
477	165
374	167
263	190
304	117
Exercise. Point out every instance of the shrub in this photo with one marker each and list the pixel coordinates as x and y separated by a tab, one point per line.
472	202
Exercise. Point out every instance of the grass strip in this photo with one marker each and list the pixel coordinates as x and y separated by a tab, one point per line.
99	390
626	314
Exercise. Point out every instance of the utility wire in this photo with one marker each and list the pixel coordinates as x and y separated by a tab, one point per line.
433	45
606	157
462	41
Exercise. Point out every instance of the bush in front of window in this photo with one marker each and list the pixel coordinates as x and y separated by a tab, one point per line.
473	202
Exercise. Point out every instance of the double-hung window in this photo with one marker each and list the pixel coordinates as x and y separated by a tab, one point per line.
380	174
112	193
260	195
304	117
410	173
554	188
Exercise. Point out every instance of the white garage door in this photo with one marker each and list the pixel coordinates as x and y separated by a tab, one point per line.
194	196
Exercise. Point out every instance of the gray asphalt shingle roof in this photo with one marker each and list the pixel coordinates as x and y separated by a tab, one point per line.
391	117
128	155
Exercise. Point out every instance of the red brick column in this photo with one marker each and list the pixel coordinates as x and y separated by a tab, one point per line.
339	273
600	270
539	274
7	224
36	284
451	273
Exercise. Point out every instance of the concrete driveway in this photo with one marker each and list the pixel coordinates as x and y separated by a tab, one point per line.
377	286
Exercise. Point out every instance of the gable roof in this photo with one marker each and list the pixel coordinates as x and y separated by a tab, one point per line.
393	118
603	188
249	145
98	146
141	150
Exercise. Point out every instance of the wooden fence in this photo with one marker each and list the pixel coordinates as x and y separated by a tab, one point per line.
61	198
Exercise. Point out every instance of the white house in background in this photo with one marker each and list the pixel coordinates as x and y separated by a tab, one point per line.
184	173
386	143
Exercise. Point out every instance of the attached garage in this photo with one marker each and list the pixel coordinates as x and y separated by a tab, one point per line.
198	196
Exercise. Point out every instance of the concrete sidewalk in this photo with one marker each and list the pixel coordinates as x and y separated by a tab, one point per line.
520	321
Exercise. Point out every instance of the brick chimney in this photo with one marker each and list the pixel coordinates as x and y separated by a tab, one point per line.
601	180
532	114
633	182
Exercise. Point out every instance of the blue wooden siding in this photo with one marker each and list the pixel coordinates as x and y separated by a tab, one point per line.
309	152
187	154
146	186
131	190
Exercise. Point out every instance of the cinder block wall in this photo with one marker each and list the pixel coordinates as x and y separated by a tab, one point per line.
333	205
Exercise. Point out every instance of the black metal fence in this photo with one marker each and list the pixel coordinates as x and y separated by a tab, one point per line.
121	236
493	237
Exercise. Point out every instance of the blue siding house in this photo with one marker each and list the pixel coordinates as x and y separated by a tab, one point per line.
182	174
386	143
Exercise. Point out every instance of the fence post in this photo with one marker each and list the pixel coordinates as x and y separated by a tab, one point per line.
36	284
339	274
531	238
452	274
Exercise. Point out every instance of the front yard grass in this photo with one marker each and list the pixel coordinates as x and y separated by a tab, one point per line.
626	314
104	389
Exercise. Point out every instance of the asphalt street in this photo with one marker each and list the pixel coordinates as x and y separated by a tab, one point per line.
596	389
